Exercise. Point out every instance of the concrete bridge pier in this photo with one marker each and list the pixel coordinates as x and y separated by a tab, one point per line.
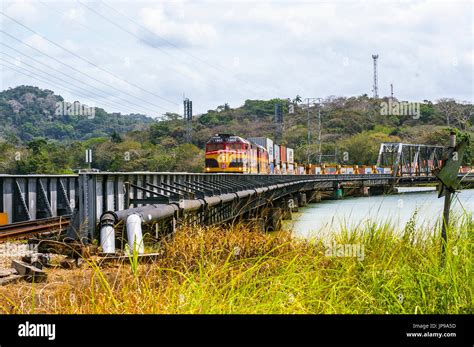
286	208
313	196
362	191
302	199
273	219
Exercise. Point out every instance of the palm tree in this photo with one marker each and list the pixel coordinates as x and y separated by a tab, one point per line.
297	99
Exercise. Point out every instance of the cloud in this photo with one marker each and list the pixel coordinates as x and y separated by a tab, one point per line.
22	10
75	14
174	29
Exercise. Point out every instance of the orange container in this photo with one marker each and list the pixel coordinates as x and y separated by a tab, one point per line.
3	218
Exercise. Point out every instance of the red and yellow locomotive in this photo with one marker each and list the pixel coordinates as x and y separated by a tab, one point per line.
234	154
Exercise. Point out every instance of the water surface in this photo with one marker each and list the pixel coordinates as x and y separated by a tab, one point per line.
320	219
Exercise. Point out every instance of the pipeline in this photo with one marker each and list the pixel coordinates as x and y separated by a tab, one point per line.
134	217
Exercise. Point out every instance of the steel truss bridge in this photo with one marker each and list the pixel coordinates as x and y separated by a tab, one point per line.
96	204
174	198
411	159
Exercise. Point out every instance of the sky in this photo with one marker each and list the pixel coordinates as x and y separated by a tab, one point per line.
146	56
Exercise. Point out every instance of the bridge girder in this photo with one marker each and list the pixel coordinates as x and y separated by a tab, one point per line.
407	159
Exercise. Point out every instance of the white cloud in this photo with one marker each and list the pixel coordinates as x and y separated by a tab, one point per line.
22	10
75	14
177	29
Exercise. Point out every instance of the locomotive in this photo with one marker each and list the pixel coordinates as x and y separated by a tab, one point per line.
231	153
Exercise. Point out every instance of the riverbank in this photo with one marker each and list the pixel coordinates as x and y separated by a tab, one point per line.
371	270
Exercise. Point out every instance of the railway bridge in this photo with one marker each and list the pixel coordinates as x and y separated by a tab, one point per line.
108	205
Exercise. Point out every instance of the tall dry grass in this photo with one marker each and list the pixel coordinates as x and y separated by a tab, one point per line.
211	270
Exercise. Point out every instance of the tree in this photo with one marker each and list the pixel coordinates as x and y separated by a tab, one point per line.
297	99
115	137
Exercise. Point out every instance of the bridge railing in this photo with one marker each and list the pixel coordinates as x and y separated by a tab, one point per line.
30	197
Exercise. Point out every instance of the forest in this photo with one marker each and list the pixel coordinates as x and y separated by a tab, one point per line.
35	139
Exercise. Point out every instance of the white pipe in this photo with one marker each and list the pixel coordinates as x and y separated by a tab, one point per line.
107	238
134	233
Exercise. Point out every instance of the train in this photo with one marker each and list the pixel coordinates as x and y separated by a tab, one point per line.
228	153
234	154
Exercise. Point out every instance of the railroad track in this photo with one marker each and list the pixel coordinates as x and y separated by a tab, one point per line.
27	228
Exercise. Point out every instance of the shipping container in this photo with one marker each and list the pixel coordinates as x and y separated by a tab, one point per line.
346	170
283	154
277	169
367	169
291	169
3	218
265	143
290	155
276	154
272	168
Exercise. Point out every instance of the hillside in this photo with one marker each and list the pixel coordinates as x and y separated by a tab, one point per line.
28	112
34	139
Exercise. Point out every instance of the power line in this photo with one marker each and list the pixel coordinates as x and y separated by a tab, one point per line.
136	36
87	93
40	79
89	62
114	39
49	81
62	73
77	70
216	67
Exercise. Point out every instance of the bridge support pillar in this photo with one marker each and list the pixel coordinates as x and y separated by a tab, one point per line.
318	196
363	191
313	196
302	199
273	220
285	204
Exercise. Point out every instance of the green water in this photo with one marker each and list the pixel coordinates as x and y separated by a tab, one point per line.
329	216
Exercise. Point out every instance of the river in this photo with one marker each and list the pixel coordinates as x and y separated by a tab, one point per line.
329	216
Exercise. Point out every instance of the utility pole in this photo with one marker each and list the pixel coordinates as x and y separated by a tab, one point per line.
308	101
391	90
309	133
278	117
376	91
319	131
188	118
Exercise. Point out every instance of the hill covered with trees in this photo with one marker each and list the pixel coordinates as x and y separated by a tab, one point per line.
34	139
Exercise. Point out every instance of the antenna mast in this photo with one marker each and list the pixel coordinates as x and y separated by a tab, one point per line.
376	91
